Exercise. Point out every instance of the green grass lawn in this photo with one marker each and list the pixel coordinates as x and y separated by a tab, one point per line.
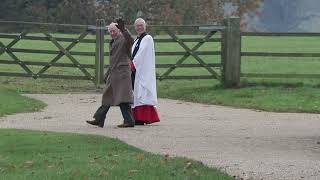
292	97
43	155
11	102
283	95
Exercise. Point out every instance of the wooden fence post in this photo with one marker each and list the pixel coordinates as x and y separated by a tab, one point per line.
99	63
102	32
231	52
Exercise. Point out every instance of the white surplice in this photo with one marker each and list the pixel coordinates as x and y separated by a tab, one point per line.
145	89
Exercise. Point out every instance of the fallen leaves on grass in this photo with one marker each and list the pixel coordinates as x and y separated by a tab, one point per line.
188	165
132	172
46	162
103	173
140	156
165	159
28	164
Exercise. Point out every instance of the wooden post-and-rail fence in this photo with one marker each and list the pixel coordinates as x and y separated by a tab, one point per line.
43	33
226	69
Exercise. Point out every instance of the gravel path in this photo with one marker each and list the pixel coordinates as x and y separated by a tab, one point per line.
244	143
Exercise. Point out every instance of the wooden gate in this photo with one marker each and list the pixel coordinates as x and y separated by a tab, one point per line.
189	51
43	36
189	39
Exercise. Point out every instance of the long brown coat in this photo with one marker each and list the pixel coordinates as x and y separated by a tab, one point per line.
118	77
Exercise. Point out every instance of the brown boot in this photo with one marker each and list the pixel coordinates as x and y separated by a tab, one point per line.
95	123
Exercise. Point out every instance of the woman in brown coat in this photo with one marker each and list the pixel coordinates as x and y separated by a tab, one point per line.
118	90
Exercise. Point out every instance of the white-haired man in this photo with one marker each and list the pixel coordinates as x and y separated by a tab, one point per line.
118	90
144	76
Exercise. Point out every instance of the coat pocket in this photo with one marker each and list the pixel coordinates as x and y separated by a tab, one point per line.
123	67
123	70
123	64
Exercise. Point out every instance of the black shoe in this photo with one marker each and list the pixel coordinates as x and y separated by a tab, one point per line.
125	125
95	123
150	122
139	123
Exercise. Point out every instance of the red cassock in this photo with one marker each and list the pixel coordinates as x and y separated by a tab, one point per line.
146	114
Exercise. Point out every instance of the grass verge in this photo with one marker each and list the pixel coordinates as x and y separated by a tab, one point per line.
11	102
43	155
